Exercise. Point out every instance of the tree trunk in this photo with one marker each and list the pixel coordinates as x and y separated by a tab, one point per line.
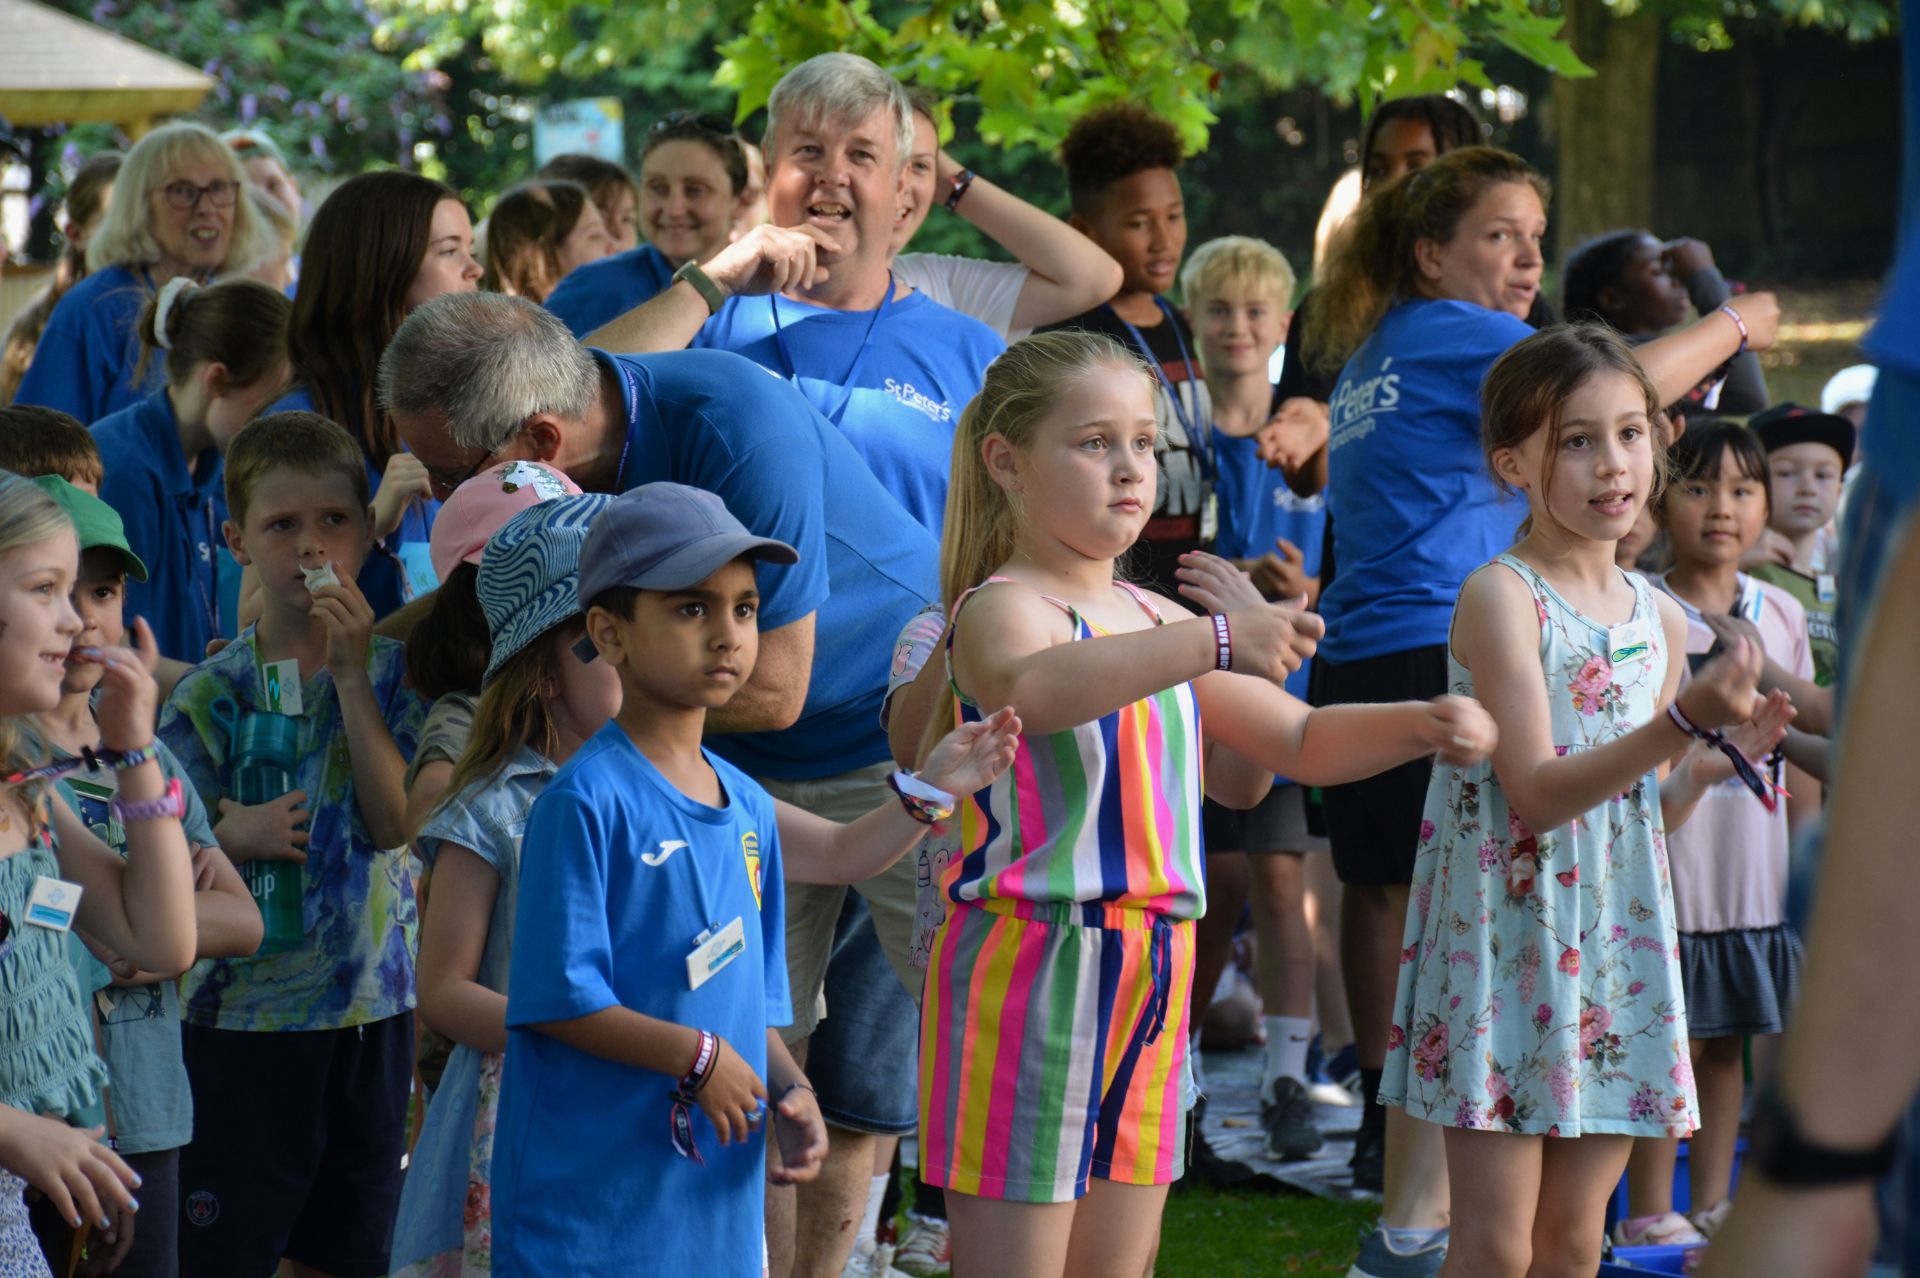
1603	126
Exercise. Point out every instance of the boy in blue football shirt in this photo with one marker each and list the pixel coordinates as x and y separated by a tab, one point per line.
649	965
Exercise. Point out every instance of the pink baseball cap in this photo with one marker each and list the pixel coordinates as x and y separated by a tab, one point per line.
481	506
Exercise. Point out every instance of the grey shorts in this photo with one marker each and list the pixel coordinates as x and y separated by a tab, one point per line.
1278	823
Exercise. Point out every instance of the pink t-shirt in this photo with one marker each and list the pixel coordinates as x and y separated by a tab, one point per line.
1729	861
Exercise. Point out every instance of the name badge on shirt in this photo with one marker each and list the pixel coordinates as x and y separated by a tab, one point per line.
1751	605
281	681
53	903
1210	518
713	951
1823	587
1629	643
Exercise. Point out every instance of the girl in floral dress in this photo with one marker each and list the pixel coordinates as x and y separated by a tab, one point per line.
1539	996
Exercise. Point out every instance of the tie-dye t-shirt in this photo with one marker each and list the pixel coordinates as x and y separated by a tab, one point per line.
356	965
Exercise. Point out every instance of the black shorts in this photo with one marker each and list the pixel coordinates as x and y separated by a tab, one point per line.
297	1141
1278	823
1374	825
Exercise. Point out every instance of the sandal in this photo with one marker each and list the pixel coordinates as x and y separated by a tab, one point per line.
1668	1229
1709	1220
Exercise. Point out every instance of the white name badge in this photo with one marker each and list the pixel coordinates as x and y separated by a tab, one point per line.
281	684
1823	588
714	951
53	903
1629	643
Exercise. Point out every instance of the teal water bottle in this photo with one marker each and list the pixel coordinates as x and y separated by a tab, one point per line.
262	748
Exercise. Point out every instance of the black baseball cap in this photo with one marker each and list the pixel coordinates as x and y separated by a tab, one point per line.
1791	423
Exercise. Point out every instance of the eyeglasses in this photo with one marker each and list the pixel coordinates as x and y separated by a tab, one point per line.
438	476
705	121
185	196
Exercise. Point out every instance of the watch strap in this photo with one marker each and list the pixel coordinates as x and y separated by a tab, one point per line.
702	284
1781	1153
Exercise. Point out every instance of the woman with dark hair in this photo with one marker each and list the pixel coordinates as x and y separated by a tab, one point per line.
1427	287
382	244
1641	287
693	188
538	233
86	205
177	208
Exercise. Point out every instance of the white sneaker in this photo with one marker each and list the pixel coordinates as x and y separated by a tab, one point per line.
871	1260
926	1248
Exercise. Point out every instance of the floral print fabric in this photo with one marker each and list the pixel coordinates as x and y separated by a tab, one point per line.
1539	974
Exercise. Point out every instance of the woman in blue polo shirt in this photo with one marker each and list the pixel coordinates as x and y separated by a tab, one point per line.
176	209
382	244
693	188
1428	289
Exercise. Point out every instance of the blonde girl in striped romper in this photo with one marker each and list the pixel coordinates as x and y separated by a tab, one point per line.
1055	1019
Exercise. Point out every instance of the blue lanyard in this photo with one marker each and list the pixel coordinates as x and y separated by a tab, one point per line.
209	581
859	357
633	399
1200	443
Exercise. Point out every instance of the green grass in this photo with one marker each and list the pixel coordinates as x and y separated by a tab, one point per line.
1222	1233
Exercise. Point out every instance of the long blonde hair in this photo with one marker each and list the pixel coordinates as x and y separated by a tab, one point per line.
27	517
1020	388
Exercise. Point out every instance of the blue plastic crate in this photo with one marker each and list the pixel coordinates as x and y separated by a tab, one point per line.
1638	1262
1682	1183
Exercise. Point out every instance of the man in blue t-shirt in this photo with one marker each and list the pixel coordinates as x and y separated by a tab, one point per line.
476	378
812	297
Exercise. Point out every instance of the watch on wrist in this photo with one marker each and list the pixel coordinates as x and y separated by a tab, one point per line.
1780	1152
703	285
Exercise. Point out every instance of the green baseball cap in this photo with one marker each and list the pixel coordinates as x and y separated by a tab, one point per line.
97	523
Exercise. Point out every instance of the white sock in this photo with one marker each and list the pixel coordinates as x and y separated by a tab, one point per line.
876	1190
1193	1059
1287	1040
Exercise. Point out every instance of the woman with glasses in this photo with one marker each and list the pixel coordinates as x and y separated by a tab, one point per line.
175	210
693	189
379	246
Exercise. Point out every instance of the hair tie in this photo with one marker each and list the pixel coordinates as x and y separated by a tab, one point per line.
169	294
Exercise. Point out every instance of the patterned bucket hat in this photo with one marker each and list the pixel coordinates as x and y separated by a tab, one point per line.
529	578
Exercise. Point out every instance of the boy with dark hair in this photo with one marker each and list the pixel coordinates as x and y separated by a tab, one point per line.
1121	163
652	945
38	441
301	1060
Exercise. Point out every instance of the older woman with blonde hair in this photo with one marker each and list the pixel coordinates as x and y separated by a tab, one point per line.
178	208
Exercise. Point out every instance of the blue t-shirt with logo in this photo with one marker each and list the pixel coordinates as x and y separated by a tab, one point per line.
620	873
1415	509
715	421
88	357
894	380
590	295
174	517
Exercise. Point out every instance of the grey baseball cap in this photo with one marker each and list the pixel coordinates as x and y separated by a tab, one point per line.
665	536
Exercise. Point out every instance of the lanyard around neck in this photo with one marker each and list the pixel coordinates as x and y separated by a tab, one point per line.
1200	444
859	357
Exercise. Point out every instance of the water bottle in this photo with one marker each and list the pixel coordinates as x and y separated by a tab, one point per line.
262	748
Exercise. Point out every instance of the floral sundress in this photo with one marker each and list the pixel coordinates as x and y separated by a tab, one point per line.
1539	987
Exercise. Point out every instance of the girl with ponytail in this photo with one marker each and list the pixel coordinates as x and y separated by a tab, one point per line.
223	348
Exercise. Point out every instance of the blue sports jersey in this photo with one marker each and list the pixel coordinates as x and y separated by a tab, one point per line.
1257	508
590	295
1415	508
714	421
894	379
619	874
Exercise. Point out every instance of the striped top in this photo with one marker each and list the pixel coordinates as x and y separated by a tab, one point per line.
1103	813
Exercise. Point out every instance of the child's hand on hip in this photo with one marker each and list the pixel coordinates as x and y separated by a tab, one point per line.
1460	730
348	618
731	1099
802	1136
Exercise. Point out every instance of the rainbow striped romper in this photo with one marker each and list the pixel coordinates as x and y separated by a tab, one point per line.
1053	1032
